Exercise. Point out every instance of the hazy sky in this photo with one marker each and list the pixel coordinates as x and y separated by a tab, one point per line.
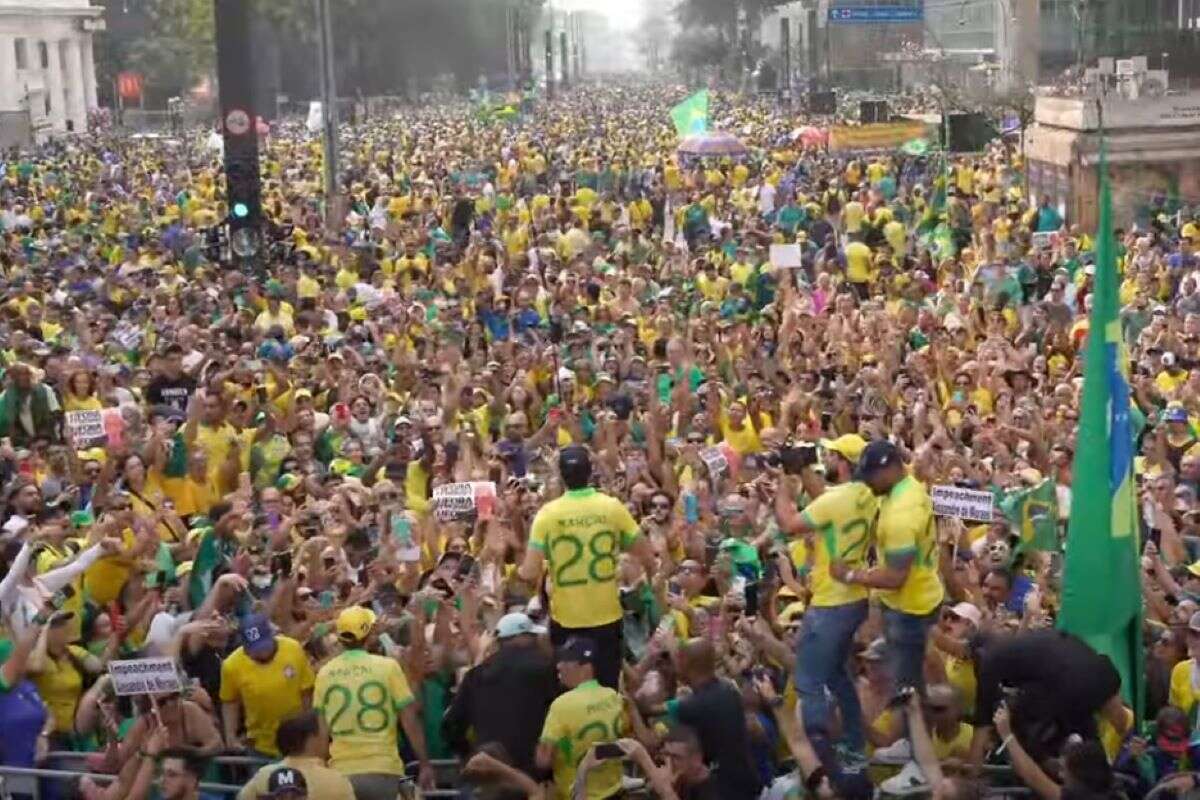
622	13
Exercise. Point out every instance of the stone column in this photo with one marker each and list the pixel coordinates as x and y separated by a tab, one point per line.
10	88
54	86
74	80
89	74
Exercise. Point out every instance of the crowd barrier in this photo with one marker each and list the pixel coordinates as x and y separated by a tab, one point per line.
25	781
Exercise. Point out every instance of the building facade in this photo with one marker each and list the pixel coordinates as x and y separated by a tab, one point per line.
47	67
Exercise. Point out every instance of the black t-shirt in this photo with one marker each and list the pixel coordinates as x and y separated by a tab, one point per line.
173	392
1059	666
204	666
708	790
715	712
505	699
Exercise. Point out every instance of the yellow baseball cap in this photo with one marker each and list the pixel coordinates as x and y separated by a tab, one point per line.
848	445
355	623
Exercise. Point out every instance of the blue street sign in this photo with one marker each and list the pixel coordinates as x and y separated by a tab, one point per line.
862	14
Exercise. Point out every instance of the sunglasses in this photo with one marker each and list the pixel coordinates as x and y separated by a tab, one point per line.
660	505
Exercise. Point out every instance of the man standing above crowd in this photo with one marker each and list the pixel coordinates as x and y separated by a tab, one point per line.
580	536
837	526
906	540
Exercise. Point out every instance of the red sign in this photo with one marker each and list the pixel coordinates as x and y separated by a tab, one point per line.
129	85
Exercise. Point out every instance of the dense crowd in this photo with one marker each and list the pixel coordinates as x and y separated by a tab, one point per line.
539	463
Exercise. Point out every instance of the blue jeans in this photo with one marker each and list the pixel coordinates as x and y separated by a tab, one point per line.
906	635
822	656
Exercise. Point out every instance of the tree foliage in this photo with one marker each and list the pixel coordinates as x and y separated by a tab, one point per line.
380	44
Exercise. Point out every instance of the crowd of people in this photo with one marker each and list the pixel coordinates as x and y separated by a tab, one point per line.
536	461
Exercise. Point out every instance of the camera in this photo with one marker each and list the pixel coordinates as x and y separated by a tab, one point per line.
792	457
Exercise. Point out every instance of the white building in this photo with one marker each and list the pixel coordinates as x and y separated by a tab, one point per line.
46	62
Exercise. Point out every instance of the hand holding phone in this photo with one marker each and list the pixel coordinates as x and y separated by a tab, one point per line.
606	751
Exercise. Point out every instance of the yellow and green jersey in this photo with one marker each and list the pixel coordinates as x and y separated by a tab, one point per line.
581	534
587	715
906	528
843	518
361	695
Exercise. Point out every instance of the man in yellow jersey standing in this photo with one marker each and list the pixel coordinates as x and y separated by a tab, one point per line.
837	526
579	536
362	697
269	678
909	584
587	714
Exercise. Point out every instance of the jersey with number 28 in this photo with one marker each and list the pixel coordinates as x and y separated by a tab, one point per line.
360	695
581	534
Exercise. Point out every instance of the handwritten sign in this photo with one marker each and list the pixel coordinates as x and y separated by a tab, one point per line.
952	501
86	429
145	676
457	501
715	460
95	428
786	256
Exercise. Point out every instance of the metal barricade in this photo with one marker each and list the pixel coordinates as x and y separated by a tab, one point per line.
24	780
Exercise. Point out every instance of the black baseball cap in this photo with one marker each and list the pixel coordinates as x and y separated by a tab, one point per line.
577	650
286	781
575	465
877	455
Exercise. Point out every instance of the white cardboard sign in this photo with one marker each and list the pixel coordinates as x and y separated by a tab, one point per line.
145	676
952	501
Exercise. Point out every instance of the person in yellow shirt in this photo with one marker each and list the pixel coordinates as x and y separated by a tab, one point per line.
580	536
362	696
1184	692
907	576
587	714
837	527
266	680
858	268
304	742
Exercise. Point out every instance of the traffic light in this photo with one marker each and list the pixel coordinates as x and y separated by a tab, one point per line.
239	118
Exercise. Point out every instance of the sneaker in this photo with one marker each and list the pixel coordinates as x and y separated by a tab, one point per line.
897	753
910	781
851	758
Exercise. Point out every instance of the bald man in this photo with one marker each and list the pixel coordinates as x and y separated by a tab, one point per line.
715	712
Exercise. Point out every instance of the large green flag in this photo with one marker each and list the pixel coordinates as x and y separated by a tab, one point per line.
691	116
1102	598
1033	512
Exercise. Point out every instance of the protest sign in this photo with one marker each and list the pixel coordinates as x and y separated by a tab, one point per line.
453	501
715	460
786	256
95	428
952	501
85	429
145	676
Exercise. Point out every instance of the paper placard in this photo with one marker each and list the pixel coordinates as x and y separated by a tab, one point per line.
454	501
952	501
145	676
95	428
1042	241
715	460
786	256
85	429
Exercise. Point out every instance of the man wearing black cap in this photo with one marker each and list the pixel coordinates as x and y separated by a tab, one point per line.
907	576
586	715
286	782
580	537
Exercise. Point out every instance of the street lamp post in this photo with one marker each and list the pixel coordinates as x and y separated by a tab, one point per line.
329	110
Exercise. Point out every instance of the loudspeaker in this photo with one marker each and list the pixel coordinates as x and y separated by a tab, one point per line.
873	111
969	133
822	102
